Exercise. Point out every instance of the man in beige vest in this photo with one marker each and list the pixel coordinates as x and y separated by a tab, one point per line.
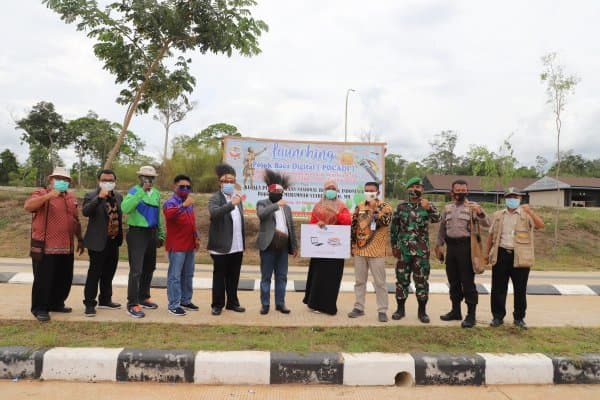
510	250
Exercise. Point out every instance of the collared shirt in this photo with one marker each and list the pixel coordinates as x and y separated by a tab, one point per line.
280	222
370	231
62	224
455	222
237	241
507	236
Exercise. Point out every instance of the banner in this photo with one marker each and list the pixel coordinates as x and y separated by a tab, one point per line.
309	164
331	241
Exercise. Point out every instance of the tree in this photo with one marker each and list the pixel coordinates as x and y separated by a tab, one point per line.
558	87
540	165
213	135
46	132
170	112
442	160
394	172
93	137
8	164
135	38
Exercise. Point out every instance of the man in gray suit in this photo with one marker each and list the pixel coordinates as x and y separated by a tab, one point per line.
226	241
102	238
276	240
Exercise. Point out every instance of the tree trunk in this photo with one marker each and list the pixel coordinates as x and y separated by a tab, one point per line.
558	199
166	142
79	173
133	105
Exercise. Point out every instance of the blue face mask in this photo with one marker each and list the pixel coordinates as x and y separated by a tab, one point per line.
512	203
61	185
228	188
330	194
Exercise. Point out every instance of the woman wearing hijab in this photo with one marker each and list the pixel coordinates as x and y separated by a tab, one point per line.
325	274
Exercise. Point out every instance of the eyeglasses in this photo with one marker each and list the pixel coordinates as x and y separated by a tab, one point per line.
183	187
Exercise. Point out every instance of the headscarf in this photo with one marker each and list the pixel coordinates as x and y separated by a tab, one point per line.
327	210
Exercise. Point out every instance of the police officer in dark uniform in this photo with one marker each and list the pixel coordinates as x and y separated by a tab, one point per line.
455	233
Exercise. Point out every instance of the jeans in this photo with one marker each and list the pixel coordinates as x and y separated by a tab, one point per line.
277	261
179	278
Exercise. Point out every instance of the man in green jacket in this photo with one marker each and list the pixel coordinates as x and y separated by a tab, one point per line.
146	233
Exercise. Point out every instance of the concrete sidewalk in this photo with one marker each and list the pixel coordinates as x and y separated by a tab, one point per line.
542	310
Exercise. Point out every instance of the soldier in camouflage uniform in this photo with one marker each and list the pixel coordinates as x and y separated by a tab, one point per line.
410	245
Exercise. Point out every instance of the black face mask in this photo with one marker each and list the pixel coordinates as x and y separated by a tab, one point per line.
460	196
415	194
275	197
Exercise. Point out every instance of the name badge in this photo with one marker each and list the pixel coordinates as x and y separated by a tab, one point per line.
373	225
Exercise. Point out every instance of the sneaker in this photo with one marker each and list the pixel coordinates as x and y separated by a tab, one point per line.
111	305
42	316
135	312
178	311
90	311
148	303
382	317
356	313
190	306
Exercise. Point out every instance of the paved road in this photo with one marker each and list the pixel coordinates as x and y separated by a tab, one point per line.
299	273
146	391
542	310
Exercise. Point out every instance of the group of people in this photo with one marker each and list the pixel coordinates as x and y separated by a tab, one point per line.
374	225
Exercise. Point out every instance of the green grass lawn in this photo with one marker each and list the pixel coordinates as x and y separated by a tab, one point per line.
506	339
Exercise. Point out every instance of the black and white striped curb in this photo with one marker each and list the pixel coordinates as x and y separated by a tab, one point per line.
300	285
262	368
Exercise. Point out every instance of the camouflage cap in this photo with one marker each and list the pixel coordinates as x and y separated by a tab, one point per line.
414	181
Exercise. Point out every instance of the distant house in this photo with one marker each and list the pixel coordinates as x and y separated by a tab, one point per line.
441	184
574	192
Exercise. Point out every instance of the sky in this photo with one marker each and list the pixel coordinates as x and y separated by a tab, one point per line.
418	67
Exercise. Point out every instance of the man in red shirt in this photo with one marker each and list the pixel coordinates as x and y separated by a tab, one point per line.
54	224
181	245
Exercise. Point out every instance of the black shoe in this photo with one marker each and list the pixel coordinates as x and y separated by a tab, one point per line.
110	305
451	316
382	317
42	316
63	309
178	311
468	322
519	323
216	311
422	313
400	312
496	322
264	309
190	306
236	308
282	309
90	311
355	313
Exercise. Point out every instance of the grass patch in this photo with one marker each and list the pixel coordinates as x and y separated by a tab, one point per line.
559	341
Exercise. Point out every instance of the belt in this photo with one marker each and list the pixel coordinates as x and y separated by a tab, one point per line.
461	240
141	228
509	251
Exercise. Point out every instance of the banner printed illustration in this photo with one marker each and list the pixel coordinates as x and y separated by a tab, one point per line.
309	164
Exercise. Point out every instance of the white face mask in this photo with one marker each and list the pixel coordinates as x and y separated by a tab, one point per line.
108	186
369	196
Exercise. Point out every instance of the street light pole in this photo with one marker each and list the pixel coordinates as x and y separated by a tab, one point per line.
346	115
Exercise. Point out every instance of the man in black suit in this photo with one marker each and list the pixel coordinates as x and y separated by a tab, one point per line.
226	241
102	238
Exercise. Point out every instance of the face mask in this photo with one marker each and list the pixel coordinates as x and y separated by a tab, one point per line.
275	197
183	193
331	194
228	188
108	186
512	203
369	196
460	196
61	186
414	194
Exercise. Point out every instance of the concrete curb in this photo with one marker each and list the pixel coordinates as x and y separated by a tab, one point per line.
300	285
260	368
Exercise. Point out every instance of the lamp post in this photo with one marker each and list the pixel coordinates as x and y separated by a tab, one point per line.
346	115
